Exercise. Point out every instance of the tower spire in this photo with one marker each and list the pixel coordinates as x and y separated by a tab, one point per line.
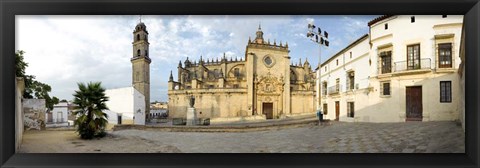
259	38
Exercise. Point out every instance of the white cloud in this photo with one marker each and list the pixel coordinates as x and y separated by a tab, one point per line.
64	50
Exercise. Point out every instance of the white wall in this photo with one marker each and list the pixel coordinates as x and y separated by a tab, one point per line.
370	106
330	71
126	102
401	32
59	112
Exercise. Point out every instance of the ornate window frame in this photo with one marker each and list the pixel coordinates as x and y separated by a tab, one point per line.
265	63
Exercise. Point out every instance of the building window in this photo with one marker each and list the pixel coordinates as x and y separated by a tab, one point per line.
146	53
324	88
337	85
445	91
138	53
235	86
445	55
350	80
138	37
337	62
413	56
385	88
211	86
350	110
386	26
268	60
236	72
325	109
216	73
412	19
325	69
350	54
386	62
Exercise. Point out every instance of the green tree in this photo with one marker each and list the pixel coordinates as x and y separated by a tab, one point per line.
33	88
90	100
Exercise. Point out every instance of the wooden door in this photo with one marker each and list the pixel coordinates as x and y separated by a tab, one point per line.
337	110
414	107
268	110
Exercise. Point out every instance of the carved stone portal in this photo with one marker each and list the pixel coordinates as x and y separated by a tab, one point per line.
269	84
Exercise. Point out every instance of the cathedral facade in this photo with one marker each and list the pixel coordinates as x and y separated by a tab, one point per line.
262	85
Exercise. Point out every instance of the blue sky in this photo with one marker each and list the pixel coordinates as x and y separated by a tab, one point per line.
64	50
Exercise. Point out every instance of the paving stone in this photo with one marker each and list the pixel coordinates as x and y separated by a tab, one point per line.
408	150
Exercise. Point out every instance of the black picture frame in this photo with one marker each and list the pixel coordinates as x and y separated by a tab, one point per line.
10	8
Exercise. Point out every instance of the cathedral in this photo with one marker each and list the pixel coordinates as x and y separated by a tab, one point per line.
262	85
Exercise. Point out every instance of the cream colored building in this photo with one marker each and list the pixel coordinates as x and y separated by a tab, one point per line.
405	69
262	85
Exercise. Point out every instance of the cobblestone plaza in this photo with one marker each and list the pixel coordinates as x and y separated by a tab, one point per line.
339	137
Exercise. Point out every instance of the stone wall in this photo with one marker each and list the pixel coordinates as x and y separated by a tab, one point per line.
34	113
209	103
303	102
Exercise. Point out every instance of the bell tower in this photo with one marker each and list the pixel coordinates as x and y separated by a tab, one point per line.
141	64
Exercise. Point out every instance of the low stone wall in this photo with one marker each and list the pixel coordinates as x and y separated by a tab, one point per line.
214	121
233	128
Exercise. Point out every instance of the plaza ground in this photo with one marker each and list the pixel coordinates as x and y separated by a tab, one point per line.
338	137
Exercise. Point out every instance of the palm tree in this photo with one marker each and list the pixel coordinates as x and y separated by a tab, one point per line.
90	100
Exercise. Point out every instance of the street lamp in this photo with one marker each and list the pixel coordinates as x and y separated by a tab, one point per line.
321	40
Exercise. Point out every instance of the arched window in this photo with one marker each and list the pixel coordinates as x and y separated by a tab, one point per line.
146	53
138	37
138	53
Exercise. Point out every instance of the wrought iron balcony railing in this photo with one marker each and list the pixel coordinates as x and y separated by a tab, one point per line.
334	89
425	63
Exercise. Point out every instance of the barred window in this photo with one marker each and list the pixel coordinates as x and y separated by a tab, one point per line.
350	109
445	91
385	88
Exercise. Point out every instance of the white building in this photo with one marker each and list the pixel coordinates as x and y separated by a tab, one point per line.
126	106
405	69
58	117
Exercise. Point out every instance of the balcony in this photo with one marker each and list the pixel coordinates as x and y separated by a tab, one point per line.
402	66
334	89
